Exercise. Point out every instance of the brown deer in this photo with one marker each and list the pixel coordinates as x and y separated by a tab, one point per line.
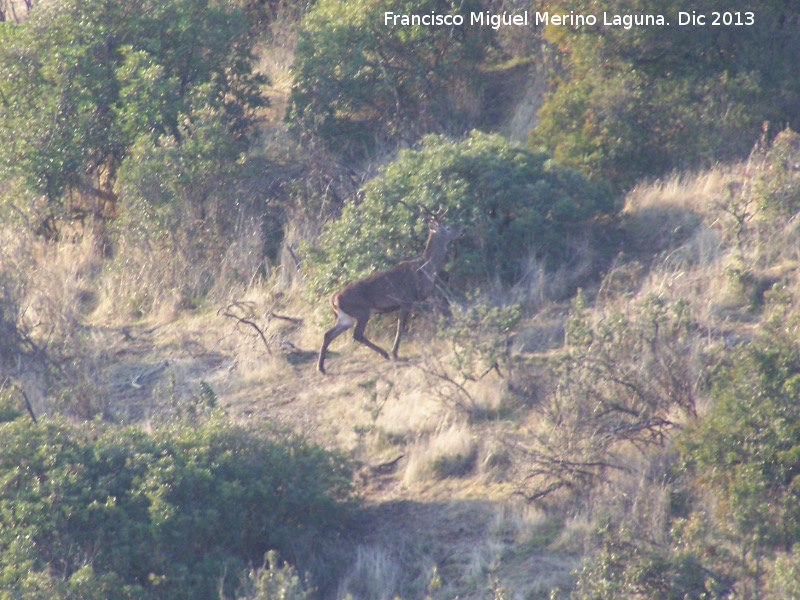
398	288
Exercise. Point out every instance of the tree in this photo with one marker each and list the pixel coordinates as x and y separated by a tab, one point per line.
82	81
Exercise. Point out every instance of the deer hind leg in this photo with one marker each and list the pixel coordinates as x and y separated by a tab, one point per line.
401	326
358	335
343	323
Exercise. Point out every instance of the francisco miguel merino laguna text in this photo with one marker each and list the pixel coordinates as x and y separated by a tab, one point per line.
497	20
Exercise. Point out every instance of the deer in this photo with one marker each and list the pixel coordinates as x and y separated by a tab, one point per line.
399	288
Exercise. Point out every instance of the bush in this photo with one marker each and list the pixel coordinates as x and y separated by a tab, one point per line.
83	81
273	582
513	202
777	187
748	446
730	524
192	218
360	84
666	97
624	381
630	568
162	515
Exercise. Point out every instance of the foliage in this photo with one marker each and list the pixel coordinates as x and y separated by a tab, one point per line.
360	83
513	202
628	568
748	447
83	81
477	334
784	580
777	187
667	97
122	513
274	582
200	203
743	454
13	342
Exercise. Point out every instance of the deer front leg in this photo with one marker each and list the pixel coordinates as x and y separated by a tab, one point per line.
401	325
343	323
358	335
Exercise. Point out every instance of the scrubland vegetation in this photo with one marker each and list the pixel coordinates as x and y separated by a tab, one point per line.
600	400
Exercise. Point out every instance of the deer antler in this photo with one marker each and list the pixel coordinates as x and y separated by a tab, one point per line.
425	212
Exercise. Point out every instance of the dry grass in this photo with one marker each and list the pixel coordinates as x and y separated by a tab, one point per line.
449	451
275	55
50	289
374	574
60	281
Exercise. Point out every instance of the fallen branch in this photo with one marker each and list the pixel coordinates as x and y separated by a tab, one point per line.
145	374
228	311
293	320
386	467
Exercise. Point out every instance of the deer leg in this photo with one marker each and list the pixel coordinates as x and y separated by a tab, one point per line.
401	326
343	323
358	335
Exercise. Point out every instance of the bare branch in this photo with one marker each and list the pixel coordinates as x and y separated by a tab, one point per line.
228	311
293	320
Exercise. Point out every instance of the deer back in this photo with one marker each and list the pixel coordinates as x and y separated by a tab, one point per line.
402	285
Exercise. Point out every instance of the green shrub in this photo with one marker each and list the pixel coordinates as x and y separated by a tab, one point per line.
665	97
631	568
741	458
189	216
360	84
513	202
274	582
783	580
777	187
162	515
748	446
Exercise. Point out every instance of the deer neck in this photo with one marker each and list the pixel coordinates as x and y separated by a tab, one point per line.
433	258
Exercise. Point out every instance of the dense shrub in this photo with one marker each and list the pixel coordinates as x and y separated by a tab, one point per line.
123	513
777	187
360	84
748	446
83	81
624	567
193	218
667	97
513	202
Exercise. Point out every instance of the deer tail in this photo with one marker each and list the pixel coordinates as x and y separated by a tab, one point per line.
335	303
